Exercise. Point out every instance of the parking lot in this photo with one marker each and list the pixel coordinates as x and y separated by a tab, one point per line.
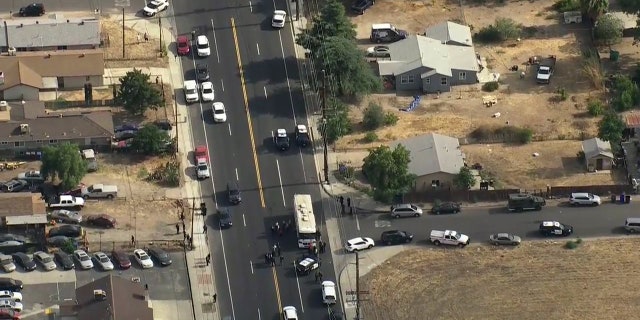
168	287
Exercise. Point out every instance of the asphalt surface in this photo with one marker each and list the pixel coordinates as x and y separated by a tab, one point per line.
478	223
247	287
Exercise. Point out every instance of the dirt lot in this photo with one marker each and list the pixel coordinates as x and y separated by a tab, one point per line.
520	102
504	283
138	52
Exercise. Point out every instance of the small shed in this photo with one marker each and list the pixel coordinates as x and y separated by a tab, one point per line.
597	154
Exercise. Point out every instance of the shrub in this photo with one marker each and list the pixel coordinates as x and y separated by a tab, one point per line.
503	29
490	86
571	244
373	117
566	5
579	240
595	108
370	137
390	119
524	135
504	133
562	94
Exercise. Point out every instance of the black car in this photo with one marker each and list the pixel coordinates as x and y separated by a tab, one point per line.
202	72
25	261
64	260
11	284
392	237
121	259
360	6
61	241
68	230
126	127
555	228
281	140
446	207
13	237
302	136
225	218
32	10
233	192
100	220
124	135
307	264
161	256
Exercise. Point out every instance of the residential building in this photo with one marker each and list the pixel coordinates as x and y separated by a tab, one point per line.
598	155
435	160
433	63
24	75
22	211
49	33
26	128
111	297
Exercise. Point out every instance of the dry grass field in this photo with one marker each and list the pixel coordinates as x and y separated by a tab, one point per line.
138	52
534	281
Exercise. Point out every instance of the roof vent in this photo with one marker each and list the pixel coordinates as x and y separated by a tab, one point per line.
24	128
3	105
99	295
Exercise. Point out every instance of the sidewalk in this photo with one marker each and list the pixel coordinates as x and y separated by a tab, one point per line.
201	278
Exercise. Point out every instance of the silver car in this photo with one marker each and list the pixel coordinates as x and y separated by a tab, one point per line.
83	259
45	260
405	210
103	261
66	216
7	263
504	239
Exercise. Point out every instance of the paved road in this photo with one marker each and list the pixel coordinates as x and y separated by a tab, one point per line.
242	150
479	223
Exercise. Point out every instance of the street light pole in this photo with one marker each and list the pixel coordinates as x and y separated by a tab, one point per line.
123	4
324	126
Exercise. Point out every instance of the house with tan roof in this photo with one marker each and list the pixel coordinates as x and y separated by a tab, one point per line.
25	128
25	74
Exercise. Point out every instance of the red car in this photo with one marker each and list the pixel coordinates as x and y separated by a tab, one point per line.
121	259
8	314
183	45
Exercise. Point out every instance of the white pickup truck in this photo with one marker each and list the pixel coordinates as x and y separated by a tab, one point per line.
448	237
99	191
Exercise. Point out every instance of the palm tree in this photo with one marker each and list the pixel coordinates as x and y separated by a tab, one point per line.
594	8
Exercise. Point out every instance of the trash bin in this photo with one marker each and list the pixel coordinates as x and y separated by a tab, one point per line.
613	198
627	199
614	55
622	198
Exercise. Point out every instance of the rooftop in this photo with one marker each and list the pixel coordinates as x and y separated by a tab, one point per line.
53	30
432	153
21	203
596	147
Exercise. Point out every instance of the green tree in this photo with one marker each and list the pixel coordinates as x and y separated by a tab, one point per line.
594	8
136	93
342	59
150	140
464	179
332	22
503	29
373	116
337	123
63	162
388	171
608	29
610	128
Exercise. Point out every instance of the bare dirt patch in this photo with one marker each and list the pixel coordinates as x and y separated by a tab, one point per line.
502	283
138	52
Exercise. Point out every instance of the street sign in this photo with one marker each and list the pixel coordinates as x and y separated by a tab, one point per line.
122	3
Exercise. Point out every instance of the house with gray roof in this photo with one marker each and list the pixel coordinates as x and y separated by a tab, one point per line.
435	159
598	154
445	57
50	32
25	128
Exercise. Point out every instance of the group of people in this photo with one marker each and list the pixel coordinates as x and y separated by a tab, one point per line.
317	248
342	204
281	228
270	257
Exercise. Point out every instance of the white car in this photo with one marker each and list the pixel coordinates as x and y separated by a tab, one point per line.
219	113
191	91
154	7
103	261
15	306
10	295
279	17
360	243
289	313
143	258
202	45
207	91
328	292
83	259
202	170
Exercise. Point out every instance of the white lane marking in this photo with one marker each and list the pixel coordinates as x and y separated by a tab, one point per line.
258	48
259	316
215	40
251	8
299	293
229	124
286	72
244	222
304	172
251	265
265	92
237	177
222	83
280	178
357	221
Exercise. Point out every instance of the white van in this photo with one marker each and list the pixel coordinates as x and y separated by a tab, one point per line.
632	225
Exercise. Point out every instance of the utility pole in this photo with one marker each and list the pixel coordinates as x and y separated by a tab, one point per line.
160	28
324	125
357	286
123	4
175	112
123	45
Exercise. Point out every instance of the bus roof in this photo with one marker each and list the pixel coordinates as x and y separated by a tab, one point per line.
305	220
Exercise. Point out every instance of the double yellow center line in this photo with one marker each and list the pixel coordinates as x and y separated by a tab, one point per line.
246	108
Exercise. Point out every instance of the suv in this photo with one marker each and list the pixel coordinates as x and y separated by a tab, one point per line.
234	193
302	136
14	186
386	32
281	140
392	237
202	72
524	201
32	10
446	207
555	228
583	198
359	6
289	313
405	210
306	264
632	225
225	217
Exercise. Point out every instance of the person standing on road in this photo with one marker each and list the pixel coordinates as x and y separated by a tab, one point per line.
133	240
281	259
204	227
278	249
275	249
177	228
215	297
208	259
